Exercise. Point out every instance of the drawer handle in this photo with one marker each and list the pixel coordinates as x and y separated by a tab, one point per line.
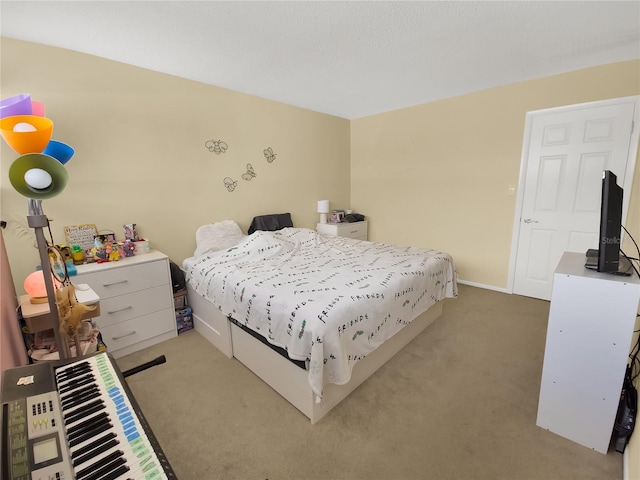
120	310
132	332
114	283
354	231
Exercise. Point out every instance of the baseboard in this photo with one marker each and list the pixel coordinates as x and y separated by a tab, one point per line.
486	287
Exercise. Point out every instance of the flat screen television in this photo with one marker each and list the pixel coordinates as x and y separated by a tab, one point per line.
610	225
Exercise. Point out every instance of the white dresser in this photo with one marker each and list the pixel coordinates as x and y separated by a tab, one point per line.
589	336
357	230
136	301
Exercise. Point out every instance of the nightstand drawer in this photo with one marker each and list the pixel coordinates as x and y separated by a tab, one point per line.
136	304
121	280
137	330
355	230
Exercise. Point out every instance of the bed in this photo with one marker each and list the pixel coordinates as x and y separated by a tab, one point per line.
312	315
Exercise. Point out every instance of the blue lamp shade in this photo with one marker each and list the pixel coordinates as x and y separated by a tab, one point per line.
60	151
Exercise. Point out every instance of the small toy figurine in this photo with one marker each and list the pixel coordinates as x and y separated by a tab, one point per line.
112	252
98	250
129	248
77	254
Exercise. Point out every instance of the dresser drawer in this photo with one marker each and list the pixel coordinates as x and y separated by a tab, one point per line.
121	280
124	307
136	330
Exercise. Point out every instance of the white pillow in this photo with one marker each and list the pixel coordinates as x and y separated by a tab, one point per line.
217	236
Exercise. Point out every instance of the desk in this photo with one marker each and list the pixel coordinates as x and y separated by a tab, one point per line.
38	317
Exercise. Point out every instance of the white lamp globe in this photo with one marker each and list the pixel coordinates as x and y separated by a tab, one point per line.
38	178
24	127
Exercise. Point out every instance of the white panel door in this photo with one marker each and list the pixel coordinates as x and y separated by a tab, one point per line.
562	185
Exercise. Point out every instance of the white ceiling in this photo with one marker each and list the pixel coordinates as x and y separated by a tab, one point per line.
346	58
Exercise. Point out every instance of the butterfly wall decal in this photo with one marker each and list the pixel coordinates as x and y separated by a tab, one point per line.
230	183
216	146
269	155
249	174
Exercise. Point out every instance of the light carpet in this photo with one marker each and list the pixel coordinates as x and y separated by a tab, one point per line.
459	402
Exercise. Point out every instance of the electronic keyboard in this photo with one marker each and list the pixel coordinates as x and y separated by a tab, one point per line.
76	419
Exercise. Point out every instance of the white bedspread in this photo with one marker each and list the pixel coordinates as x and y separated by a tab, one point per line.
327	300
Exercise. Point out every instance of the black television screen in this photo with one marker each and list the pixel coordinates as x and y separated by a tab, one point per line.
610	224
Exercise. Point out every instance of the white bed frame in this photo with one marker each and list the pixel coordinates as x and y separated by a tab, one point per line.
284	377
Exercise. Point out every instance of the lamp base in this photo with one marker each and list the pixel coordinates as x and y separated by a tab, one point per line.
323	218
37	300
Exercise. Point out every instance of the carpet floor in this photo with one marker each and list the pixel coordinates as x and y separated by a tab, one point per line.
459	402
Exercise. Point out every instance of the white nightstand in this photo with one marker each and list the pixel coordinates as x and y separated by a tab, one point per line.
136	301
357	230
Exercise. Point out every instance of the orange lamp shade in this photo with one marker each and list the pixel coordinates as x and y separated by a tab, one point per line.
26	133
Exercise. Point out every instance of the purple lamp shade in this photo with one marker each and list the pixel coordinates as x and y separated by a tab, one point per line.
60	151
16	105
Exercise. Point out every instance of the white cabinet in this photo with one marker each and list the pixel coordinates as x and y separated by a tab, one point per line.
136	301
357	230
591	322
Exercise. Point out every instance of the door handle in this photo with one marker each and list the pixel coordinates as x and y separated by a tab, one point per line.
530	220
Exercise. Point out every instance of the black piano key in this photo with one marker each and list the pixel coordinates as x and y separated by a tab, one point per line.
74	378
79	393
102	467
83	390
91	433
84	411
93	445
70	371
87	424
74	402
76	383
118	472
67	373
79	460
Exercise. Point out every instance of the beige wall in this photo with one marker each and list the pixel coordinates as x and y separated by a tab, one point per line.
433	175
436	175
140	154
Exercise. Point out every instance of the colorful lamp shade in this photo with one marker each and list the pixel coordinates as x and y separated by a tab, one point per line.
26	133
16	105
60	151
37	108
38	176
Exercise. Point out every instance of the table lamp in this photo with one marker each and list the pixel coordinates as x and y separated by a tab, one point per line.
323	209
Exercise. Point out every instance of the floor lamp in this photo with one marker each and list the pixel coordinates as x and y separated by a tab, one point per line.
38	220
38	173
